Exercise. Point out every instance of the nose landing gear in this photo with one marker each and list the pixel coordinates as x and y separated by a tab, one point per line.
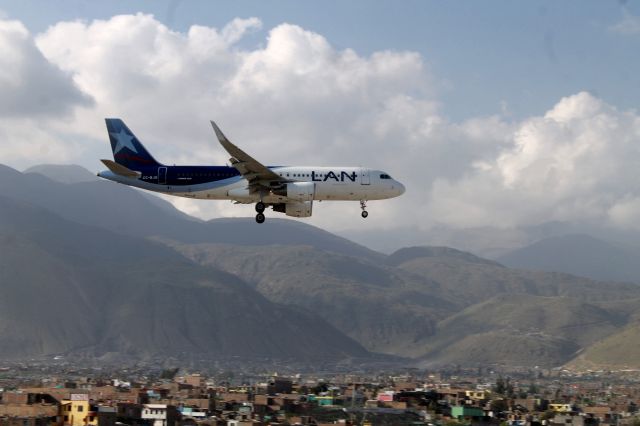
363	206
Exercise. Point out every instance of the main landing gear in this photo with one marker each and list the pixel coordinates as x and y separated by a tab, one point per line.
363	206
260	210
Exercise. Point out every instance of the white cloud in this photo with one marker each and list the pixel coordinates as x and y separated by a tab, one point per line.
624	213
576	163
30	85
629	25
34	96
23	140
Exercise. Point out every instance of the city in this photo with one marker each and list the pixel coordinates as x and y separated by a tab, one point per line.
42	394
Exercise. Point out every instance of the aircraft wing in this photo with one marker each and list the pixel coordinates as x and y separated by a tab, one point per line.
252	170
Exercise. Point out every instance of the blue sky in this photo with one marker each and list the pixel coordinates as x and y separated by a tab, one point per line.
490	56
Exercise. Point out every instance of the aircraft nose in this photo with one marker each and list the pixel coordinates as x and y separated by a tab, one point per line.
399	188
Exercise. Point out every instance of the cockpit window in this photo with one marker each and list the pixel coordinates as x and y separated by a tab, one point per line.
385	176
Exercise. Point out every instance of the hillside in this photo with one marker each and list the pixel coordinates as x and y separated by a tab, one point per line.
473	282
384	309
131	212
437	304
97	268
78	195
619	350
63	173
408	254
71	288
581	255
521	329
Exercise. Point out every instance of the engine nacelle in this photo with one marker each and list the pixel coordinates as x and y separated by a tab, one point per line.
302	209
297	191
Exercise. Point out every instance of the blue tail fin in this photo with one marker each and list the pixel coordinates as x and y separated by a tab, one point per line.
126	147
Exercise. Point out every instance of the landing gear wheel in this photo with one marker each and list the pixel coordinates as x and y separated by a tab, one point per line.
363	206
260	207
260	218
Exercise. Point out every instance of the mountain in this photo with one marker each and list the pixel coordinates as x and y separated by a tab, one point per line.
131	212
469	282
519	317
97	268
520	329
619	350
385	309
410	253
72	288
78	174
64	173
579	254
437	304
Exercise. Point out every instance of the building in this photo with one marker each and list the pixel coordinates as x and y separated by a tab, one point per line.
159	414
463	412
77	411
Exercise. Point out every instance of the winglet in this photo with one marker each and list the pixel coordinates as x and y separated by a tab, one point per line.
242	161
221	137
236	153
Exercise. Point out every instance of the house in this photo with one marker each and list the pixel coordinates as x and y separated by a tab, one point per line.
561	408
159	414
77	411
29	405
463	412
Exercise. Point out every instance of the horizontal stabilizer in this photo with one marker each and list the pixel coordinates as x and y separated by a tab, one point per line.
121	170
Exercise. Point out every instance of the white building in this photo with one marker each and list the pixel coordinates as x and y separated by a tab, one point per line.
159	413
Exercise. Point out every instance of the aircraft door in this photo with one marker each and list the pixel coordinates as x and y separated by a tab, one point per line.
365	179
162	175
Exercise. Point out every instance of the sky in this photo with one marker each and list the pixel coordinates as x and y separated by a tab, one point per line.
494	114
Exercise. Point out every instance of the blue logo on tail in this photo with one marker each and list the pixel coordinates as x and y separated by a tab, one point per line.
127	148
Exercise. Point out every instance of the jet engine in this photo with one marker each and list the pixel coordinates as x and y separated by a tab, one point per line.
297	191
302	209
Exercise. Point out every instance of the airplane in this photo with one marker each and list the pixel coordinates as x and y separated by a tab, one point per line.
287	189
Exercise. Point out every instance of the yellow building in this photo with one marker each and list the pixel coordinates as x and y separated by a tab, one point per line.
477	395
560	408
77	411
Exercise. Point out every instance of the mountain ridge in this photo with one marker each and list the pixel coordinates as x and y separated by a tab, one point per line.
292	282
69	287
579	254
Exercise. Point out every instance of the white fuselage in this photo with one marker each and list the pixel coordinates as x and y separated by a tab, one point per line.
330	183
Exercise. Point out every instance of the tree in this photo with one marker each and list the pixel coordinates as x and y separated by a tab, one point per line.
509	388
169	373
504	387
499	405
